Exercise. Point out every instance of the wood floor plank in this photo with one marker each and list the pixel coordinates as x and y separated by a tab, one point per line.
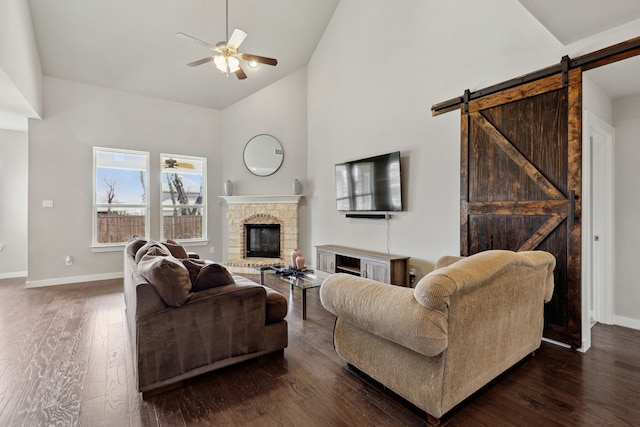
66	359
96	380
116	405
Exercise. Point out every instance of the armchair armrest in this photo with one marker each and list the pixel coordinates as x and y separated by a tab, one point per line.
385	310
447	260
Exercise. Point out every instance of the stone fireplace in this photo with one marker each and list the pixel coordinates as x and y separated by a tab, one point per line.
246	212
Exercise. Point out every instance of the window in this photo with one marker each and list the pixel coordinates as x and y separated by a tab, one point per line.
363	178
121	206
184	200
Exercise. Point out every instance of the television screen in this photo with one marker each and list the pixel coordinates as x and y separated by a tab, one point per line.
371	184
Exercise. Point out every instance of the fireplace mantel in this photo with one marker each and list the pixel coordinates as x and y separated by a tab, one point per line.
262	199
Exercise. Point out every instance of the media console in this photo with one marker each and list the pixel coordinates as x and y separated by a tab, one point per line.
393	269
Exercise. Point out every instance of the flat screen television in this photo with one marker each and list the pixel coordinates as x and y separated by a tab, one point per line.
370	185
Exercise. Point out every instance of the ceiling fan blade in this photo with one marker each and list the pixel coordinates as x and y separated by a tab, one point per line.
188	37
240	74
260	59
201	61
236	38
174	164
185	165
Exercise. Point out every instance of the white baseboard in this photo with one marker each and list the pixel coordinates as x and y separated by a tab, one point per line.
554	342
74	279
627	322
13	274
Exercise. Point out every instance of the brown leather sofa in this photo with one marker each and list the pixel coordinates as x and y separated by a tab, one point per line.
177	333
463	325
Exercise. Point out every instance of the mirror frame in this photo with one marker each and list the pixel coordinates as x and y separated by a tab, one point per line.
257	140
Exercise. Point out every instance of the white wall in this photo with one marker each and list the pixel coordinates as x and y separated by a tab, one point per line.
20	71
13	203
78	117
279	110
595	100
372	81
626	207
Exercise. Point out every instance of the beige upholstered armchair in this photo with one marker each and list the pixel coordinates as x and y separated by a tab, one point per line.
464	324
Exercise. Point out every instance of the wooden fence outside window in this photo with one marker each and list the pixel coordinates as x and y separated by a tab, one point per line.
120	228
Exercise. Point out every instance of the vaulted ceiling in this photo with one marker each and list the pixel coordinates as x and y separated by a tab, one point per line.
131	45
573	20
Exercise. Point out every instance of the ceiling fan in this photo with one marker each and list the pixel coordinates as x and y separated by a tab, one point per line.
226	56
174	164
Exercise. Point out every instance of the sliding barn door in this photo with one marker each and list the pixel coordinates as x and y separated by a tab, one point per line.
520	184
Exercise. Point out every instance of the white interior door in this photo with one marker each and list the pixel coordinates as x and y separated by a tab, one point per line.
600	232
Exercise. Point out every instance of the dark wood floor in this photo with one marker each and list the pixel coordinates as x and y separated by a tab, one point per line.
65	360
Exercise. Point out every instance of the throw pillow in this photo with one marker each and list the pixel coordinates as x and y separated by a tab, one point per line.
194	266
211	276
135	244
168	277
176	249
151	244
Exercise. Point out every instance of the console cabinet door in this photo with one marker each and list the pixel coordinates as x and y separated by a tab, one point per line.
326	261
375	271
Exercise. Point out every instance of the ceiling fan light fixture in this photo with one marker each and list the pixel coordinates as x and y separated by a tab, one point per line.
233	63
226	56
227	64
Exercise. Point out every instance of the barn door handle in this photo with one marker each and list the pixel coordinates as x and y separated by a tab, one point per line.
572	208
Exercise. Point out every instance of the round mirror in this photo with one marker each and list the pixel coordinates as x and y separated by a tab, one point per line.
263	155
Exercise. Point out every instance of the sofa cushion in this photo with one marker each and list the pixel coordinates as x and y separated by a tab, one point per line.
176	249
276	306
211	276
194	266
168	276
149	245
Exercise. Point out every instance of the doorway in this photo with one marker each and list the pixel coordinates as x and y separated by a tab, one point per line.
598	233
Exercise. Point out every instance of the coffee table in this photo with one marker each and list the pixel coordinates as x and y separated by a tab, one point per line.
310	278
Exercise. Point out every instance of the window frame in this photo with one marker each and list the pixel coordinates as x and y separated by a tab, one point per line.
202	206
95	245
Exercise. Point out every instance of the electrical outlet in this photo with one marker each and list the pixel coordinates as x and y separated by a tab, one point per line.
212	250
68	260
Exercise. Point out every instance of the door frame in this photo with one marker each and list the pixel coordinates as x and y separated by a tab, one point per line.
602	302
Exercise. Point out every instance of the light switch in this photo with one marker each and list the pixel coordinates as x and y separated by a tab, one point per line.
47	203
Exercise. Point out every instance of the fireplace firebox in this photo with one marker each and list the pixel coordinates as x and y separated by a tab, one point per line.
263	240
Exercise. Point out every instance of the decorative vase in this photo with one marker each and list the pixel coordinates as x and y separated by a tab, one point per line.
228	188
294	255
297	187
300	262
